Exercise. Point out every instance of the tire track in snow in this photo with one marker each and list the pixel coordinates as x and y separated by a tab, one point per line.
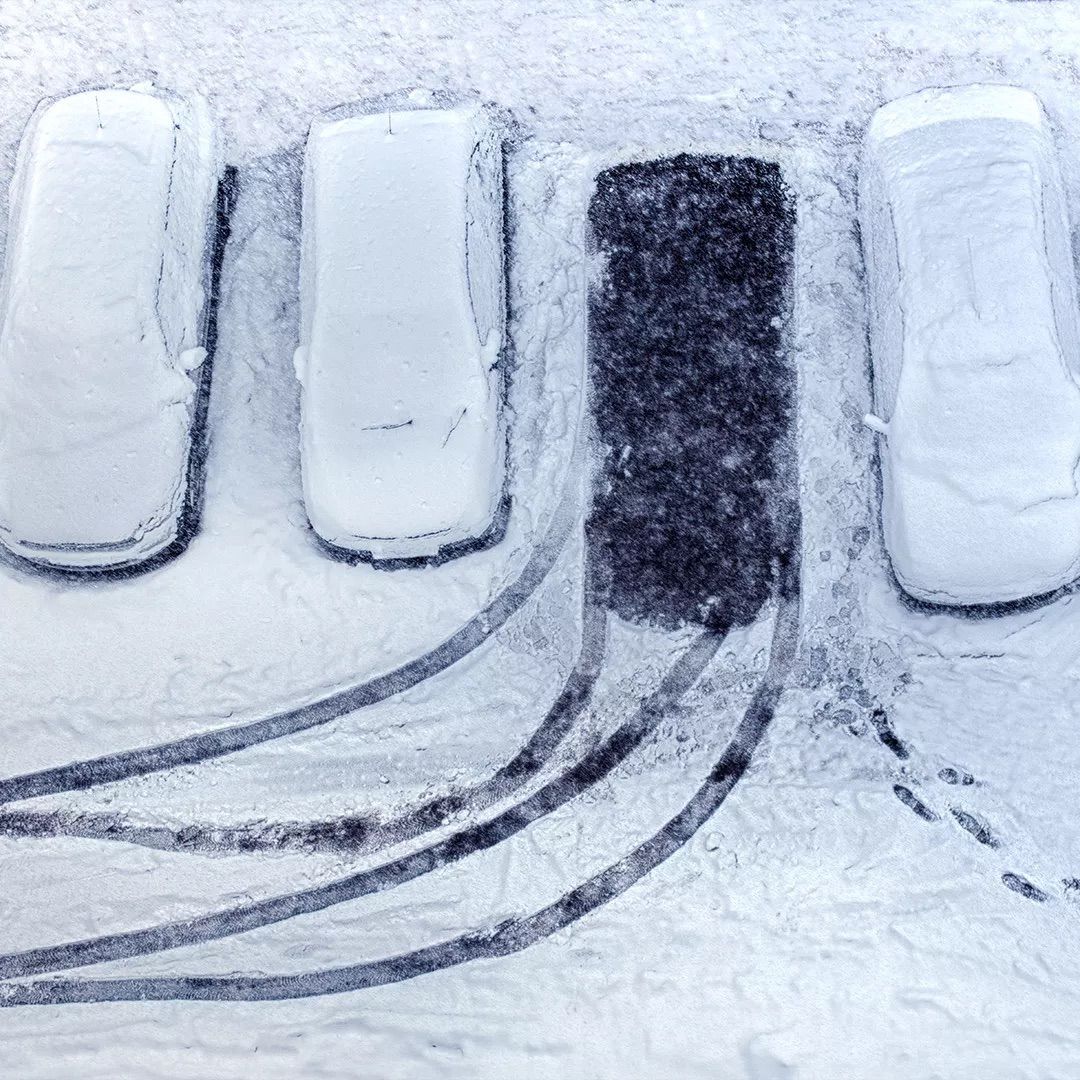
594	766
192	749
510	936
357	835
724	278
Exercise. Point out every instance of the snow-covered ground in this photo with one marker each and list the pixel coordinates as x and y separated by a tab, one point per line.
890	891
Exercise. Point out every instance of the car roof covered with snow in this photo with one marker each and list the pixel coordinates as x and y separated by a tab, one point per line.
103	289
976	345
402	313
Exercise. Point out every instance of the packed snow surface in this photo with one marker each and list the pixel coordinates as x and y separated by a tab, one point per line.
893	889
976	345
102	300
402	323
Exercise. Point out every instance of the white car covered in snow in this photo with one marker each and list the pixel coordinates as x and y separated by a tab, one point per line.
103	306
402	323
975	340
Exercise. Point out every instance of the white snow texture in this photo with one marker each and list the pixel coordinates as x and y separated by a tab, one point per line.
402	323
892	889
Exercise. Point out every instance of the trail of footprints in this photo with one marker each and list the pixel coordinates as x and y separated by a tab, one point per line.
975	826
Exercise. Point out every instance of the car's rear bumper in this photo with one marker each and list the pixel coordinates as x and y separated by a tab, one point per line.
951	595
437	545
90	558
953	552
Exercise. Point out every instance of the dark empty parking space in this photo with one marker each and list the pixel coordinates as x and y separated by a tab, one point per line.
691	388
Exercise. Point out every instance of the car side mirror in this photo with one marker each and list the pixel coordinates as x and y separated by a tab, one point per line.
875	423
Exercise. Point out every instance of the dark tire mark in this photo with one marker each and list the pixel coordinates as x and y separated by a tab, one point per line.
913	803
594	766
1024	887
979	829
691	388
359	834
885	732
756	534
508	937
193	749
974	612
688	366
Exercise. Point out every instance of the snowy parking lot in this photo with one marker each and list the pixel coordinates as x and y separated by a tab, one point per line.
671	781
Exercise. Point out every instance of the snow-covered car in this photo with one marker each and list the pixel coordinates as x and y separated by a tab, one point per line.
104	305
975	340
403	444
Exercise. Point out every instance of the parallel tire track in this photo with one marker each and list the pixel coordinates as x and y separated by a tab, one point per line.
509	936
204	746
594	766
357	835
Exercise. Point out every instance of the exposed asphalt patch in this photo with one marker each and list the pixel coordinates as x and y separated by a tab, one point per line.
691	388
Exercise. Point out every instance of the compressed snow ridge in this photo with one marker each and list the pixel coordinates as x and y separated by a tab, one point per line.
402	325
101	322
976	345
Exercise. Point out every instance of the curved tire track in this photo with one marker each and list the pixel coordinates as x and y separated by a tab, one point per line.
591	768
357	835
513	934
204	746
509	936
